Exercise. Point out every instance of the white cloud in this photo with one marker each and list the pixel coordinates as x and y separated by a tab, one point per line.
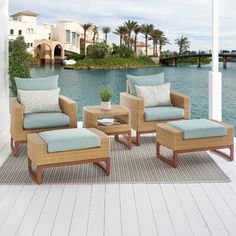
190	18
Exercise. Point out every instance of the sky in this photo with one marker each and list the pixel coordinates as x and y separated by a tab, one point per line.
174	18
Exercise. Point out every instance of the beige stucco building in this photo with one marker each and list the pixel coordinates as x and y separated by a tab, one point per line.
46	40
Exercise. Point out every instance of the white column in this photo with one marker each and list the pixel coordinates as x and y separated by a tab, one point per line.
215	77
4	87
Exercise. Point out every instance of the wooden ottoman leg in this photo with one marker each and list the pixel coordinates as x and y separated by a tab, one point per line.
172	162
222	154
105	168
37	175
39	178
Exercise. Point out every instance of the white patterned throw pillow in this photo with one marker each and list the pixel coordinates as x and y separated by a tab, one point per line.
40	100
154	95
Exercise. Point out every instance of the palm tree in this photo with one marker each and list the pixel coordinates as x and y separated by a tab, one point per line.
183	44
146	29
155	36
106	30
121	31
163	41
86	27
130	25
137	30
95	32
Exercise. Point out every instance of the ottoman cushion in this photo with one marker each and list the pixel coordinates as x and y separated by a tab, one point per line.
70	139
199	128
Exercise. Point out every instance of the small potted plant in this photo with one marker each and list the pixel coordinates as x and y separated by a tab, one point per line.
105	95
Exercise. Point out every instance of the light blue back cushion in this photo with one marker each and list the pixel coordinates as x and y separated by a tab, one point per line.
199	128
144	80
44	83
70	139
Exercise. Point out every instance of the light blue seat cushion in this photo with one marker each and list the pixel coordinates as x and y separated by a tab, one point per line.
145	80
199	128
163	113
45	120
44	83
70	139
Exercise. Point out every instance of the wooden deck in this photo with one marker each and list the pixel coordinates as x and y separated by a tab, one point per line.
125	209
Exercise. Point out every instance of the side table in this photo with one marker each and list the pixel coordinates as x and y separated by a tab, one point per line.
91	115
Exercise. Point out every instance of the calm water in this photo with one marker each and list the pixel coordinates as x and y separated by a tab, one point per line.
83	85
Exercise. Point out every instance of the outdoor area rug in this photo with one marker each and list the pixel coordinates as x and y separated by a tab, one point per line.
138	165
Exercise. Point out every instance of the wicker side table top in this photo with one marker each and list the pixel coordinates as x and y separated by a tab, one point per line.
115	110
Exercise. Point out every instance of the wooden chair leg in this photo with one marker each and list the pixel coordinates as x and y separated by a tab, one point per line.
158	149
108	167
129	140
137	139
231	152
15	147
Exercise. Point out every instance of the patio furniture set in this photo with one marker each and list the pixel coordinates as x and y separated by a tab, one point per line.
53	138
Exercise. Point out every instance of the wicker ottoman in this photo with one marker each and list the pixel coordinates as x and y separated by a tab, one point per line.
41	153
180	142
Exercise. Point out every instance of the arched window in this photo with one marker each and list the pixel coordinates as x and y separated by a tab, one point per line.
20	32
11	32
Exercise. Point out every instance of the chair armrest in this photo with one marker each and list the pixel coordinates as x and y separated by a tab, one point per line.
69	107
17	116
135	105
182	101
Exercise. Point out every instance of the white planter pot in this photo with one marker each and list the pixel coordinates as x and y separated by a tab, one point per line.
106	105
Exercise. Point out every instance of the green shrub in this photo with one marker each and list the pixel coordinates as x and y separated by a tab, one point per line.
105	94
19	60
96	51
122	51
76	56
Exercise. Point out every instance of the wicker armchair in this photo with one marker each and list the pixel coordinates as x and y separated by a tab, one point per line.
136	106
19	134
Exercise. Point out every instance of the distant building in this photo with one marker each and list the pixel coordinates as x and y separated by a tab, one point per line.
141	49
25	24
48	41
